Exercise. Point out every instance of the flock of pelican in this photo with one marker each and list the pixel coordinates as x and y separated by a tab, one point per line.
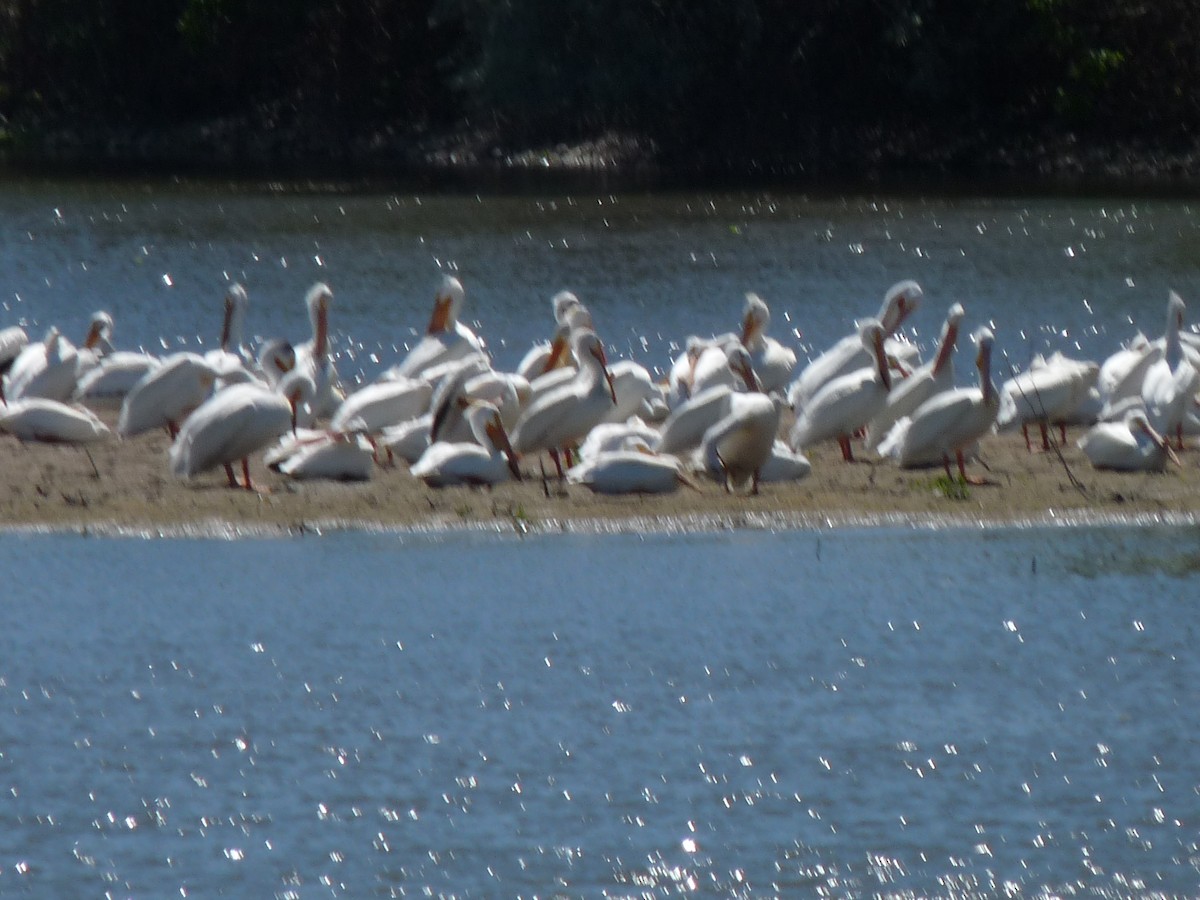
735	407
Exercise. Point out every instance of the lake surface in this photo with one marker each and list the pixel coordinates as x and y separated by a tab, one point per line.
883	712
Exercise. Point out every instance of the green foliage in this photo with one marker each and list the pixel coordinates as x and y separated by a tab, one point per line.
952	488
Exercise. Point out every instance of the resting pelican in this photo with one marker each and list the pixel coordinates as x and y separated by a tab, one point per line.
629	471
12	341
1130	445
382	404
1171	381
848	354
488	459
231	425
108	382
773	362
45	369
446	339
40	419
846	403
329	455
562	417
1048	393
950	422
684	428
737	447
608	436
906	395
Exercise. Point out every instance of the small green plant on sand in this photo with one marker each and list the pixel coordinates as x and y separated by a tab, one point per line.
952	488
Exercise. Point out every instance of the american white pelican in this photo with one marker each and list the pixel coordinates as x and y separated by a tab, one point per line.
1130	445
562	417
408	440
13	340
329	455
1048	393
382	404
1122	373
638	394
488	459
547	355
107	383
44	369
313	387
625	435
784	464
906	395
848	354
773	362
164	397
950	422
40	419
848	402
629	471
231	359
231	425
1171	382
446	339
684	428
737	447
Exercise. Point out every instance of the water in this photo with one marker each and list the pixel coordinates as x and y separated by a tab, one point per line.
1076	274
973	713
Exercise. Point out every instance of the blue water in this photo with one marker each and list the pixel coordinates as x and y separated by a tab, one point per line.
839	713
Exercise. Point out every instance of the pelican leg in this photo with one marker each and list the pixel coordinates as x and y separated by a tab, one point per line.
1045	435
1025	434
246	474
844	443
557	463
1062	433
754	484
1179	437
962	471
725	472
229	474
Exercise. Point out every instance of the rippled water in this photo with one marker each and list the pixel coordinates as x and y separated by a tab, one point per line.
846	713
1077	274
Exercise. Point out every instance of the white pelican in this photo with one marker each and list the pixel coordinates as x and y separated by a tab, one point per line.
637	393
312	386
13	340
329	455
108	382
1047	393
231	359
629	471
382	404
848	354
610	436
906	395
547	355
44	369
784	464
950	422
848	402
234	423
1171	381
488	459
684	428
446	339
408	440
737	447
40	419
773	362
562	417
1130	445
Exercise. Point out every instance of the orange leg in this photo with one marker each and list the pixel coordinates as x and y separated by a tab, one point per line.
847	453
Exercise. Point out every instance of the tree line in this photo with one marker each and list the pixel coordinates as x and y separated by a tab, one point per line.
728	78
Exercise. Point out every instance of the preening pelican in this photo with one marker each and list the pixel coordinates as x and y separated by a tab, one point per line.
313	387
1171	381
163	397
562	417
329	455
773	363
489	459
909	393
848	354
1130	445
556	352
737	447
231	359
949	422
40	419
845	404
231	425
446	339
45	369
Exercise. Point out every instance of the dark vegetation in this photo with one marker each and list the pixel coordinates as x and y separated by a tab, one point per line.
743	87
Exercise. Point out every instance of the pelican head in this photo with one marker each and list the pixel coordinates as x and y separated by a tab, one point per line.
739	362
317	300
871	334
559	345
236	301
949	336
756	317
99	330
484	416
587	344
1136	420
1175	310
984	339
446	305
900	302
563	302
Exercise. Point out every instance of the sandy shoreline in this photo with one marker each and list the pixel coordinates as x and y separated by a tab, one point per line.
125	487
